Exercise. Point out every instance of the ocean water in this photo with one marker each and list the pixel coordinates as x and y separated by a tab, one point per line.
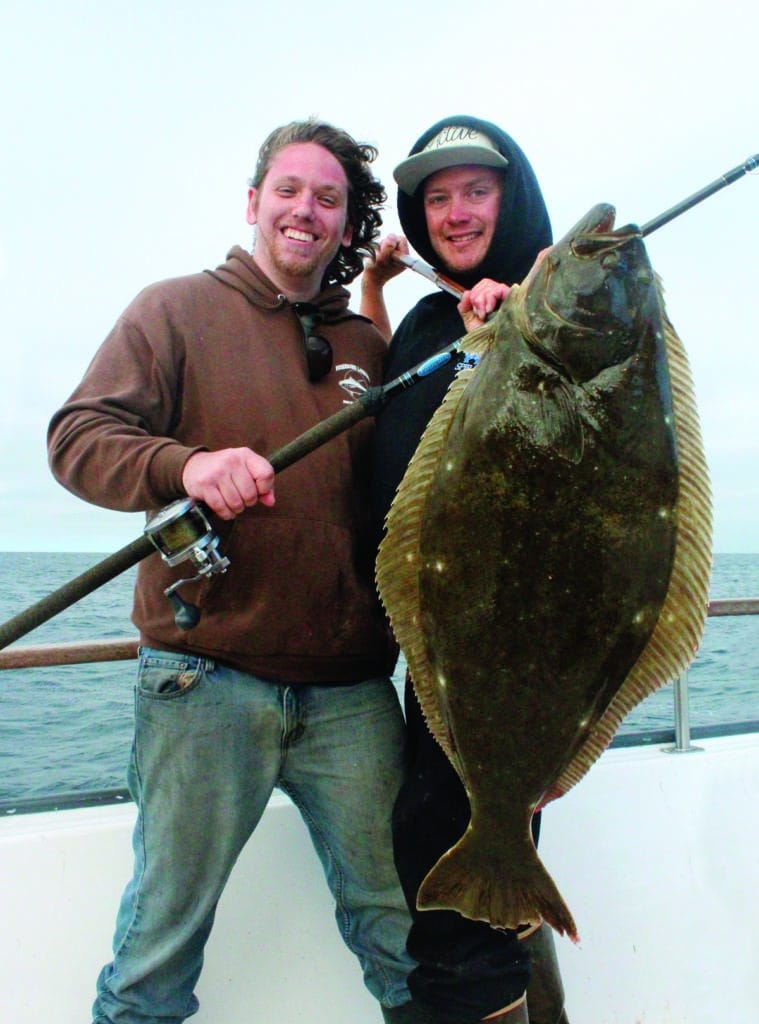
68	729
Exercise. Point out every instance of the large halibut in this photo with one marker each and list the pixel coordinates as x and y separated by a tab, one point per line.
547	557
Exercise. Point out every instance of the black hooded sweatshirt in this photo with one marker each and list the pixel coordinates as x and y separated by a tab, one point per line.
466	969
522	230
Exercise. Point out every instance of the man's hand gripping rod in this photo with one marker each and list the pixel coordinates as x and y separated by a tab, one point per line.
181	531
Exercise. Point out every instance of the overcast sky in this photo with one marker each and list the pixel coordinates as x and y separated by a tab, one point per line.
128	130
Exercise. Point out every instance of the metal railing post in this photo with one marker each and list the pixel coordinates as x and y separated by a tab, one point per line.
682	743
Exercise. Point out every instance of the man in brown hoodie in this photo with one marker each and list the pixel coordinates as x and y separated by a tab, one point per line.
283	681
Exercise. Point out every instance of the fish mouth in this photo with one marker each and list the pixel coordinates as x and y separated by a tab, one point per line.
606	223
592	240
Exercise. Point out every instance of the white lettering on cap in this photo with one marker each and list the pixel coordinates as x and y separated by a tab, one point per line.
458	135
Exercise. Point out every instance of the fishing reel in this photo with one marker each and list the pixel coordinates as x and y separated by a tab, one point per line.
181	532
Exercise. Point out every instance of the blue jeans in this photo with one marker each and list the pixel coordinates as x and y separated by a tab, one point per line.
210	745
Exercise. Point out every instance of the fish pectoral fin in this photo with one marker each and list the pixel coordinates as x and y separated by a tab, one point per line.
548	411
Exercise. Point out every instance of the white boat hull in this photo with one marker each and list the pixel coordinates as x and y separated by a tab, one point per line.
657	856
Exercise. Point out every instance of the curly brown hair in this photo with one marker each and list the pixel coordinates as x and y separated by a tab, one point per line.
366	194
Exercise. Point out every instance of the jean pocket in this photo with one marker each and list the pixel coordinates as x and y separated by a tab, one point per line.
167	676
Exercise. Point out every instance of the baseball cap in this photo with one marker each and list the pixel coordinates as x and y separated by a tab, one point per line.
453	145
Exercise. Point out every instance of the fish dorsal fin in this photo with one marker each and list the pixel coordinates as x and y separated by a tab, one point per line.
480	340
680	625
398	559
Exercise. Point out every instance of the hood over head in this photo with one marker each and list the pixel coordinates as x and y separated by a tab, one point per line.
523	226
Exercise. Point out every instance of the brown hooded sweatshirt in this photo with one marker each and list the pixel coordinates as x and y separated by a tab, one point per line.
216	360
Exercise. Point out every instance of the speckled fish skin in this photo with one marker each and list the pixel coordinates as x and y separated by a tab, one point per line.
547	534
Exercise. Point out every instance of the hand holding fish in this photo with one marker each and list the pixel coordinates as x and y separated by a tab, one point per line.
229	481
477	303
480	302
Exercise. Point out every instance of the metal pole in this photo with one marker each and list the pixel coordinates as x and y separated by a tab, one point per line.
682	744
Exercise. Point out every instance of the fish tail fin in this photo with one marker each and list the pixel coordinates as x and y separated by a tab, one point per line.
508	894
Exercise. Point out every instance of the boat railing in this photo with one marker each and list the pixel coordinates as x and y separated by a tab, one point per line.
125	648
717	608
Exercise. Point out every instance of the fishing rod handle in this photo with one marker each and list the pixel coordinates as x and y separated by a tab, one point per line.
74	590
367	404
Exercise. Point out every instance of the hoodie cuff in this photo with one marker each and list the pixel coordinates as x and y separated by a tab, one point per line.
166	468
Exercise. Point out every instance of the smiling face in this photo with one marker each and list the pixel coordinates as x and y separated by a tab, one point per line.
461	207
300	212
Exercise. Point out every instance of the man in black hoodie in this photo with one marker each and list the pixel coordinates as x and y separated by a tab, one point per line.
470	204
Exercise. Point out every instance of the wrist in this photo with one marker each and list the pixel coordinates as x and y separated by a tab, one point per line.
370	282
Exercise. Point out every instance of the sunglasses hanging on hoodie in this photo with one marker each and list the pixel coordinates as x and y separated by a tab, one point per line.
318	349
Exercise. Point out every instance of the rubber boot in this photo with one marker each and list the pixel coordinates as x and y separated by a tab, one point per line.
408	1013
513	1015
545	990
413	1013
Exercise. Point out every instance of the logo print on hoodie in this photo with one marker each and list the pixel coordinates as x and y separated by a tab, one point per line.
354	381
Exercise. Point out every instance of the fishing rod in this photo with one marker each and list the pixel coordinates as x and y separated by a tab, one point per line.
750	164
182	532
